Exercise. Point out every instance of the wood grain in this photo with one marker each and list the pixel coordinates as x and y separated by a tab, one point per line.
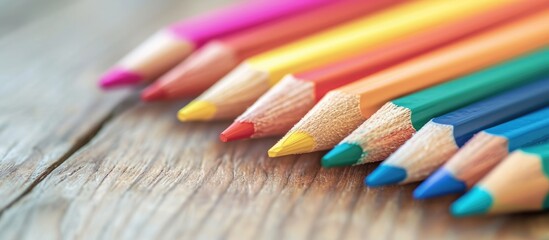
50	103
146	176
15	14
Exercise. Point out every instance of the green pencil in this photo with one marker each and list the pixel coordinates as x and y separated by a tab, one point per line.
398	120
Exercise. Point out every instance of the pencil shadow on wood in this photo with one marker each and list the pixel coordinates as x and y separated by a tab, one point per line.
199	142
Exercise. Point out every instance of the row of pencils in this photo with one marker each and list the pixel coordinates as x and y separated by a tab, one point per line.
455	93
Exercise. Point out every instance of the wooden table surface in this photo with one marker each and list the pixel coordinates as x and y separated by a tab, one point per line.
78	163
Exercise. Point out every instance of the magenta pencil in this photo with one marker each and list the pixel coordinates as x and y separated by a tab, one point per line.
172	44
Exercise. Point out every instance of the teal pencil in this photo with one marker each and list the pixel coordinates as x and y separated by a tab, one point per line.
519	183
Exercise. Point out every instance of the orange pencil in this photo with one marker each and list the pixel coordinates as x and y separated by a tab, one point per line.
343	109
287	102
219	57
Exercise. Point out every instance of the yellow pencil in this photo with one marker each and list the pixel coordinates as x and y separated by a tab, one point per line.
342	110
239	89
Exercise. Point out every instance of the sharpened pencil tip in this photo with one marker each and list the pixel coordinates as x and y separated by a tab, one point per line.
153	93
118	77
197	111
441	183
475	202
385	175
293	143
237	131
342	155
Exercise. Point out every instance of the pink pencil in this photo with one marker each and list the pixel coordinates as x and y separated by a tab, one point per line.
171	45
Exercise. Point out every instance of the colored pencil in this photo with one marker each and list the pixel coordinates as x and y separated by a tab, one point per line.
171	45
442	137
483	152
282	106
518	184
342	110
393	124
230	97
220	56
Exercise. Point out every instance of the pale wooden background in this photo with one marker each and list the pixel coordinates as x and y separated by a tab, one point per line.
77	163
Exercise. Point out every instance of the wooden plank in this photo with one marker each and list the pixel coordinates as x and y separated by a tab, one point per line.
15	14
49	67
147	176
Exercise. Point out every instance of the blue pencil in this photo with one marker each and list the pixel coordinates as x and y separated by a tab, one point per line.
441	137
483	152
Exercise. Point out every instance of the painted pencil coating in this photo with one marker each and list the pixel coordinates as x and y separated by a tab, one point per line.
524	131
269	117
440	138
219	23
490	112
171	45
265	70
363	34
265	37
520	183
335	75
399	119
320	129
203	68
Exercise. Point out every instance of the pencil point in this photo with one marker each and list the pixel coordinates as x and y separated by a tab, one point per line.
475	202
237	131
342	155
441	183
385	175
294	143
119	77
153	93
197	111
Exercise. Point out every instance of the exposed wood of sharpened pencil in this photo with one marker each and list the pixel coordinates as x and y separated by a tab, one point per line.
291	96
231	102
191	77
375	139
427	150
338	108
484	151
